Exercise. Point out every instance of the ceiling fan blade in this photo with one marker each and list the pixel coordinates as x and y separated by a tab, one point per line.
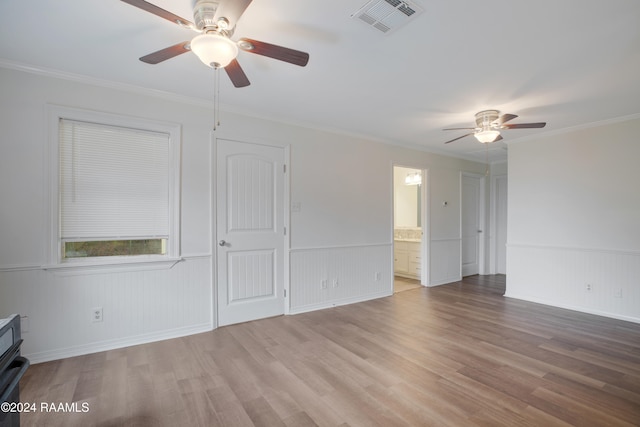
236	74
524	125
459	129
158	11
166	53
231	10
285	54
505	118
460	137
498	138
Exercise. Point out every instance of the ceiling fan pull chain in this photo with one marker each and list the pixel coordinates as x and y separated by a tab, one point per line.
486	170
216	99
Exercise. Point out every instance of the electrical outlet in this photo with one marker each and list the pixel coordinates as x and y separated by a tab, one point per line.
376	276
335	283
323	284
618	293
96	314
588	287
24	324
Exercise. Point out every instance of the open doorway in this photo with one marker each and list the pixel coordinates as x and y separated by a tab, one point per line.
409	219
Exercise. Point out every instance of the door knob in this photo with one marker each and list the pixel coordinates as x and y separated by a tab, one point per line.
222	243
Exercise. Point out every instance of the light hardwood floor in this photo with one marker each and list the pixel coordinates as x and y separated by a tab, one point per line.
454	355
401	284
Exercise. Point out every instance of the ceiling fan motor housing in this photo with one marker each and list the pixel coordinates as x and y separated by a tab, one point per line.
485	119
204	14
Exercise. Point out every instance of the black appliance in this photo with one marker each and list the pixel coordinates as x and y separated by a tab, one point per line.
12	368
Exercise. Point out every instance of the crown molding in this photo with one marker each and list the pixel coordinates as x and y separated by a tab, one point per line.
109	84
575	128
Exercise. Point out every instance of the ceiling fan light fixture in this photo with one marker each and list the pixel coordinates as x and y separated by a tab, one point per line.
214	50
487	136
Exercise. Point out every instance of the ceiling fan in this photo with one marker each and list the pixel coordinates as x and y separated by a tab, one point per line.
215	20
489	123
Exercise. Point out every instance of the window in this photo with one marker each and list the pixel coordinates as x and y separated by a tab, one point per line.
113	188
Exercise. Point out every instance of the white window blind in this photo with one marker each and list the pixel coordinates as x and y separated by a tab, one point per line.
114	182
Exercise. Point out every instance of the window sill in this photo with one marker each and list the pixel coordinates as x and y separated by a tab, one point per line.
70	268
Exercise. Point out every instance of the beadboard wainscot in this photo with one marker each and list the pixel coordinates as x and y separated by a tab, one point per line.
362	272
139	305
445	261
592	280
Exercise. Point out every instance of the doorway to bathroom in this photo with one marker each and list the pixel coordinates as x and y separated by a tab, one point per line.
409	226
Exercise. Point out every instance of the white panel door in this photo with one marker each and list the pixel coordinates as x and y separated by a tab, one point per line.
471	226
250	231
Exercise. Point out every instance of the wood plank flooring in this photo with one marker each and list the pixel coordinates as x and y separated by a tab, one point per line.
401	284
454	355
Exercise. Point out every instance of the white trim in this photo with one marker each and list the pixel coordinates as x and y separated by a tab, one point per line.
426	229
57	112
215	321
579	127
493	224
112	265
197	256
78	78
316	248
337	303
286	220
129	88
482	219
80	350
287	224
575	248
106	267
19	267
425	220
579	309
445	281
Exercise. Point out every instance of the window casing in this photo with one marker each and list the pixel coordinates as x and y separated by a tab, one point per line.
114	184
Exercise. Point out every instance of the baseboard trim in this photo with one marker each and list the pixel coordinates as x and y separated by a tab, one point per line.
445	281
336	303
97	347
572	308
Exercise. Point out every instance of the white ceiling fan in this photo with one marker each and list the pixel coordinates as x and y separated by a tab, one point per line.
490	122
216	20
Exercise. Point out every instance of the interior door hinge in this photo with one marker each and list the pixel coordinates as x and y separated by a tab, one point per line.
285	293
285	231
284	168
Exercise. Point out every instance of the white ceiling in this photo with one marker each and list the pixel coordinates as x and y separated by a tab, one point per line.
569	62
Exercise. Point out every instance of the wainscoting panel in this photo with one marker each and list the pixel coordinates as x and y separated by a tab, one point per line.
445	261
326	277
592	280
137	307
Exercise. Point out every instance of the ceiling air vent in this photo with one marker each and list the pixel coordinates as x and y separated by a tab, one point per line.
387	15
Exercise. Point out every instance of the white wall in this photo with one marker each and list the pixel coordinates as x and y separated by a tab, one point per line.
574	219
138	306
343	229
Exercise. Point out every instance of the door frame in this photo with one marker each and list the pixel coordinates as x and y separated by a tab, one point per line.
424	221
482	205
494	217
214	229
